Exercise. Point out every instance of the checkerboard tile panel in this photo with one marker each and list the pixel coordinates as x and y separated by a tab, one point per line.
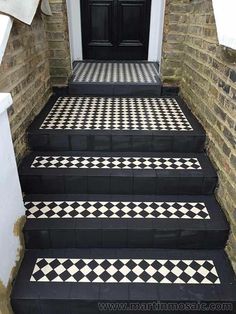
118	209
125	271
87	162
115	72
92	113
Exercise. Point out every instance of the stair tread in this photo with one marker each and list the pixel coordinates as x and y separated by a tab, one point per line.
119	274
119	78
111	162
124	72
123	211
117	115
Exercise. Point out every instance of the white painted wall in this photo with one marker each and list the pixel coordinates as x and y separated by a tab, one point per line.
11	203
156	30
225	22
5	29
155	38
75	34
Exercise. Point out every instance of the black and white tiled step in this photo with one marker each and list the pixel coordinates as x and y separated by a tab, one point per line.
116	124
83	221
115	78
83	280
117	173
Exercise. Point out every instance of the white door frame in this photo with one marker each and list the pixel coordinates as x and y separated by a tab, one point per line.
155	37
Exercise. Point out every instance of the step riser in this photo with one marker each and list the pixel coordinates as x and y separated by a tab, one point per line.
91	307
123	143
105	184
137	90
121	238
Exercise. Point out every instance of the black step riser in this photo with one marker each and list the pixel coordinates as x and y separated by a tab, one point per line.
115	143
122	238
91	307
137	90
120	184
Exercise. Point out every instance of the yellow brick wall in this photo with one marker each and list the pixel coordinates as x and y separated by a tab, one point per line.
207	78
58	41
24	73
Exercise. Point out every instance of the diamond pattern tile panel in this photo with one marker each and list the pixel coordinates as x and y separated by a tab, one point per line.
119	209
92	113
162	271
87	162
115	72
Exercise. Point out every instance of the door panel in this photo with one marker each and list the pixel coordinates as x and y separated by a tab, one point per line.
115	29
132	18
100	23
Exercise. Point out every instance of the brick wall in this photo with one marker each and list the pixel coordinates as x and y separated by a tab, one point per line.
173	42
207	78
24	73
58	41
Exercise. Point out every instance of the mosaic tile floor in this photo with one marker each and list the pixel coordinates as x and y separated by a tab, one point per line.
87	162
115	72
125	271
120	209
92	113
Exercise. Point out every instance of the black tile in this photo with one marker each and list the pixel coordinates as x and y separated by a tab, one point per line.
59	142
88	237
26	306
142	143
191	239
140	292
121	184
121	143
79	142
39	141
54	306
61	239
165	238
114	292
101	143
31	184
98	184
52	184
114	238
85	307
140	238
144	185
37	239
76	184
162	143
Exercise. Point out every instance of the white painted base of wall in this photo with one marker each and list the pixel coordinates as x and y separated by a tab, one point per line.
155	37
11	202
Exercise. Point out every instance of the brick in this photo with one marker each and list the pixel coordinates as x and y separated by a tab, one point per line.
206	75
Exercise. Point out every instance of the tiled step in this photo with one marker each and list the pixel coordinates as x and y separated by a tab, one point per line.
117	173
116	124
83	221
87	280
115	78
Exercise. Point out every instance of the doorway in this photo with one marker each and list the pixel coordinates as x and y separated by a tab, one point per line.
115	29
154	40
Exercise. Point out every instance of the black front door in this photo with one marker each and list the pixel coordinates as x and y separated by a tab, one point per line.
115	29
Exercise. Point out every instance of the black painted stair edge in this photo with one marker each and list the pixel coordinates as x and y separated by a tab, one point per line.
107	232
102	140
117	181
72	297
